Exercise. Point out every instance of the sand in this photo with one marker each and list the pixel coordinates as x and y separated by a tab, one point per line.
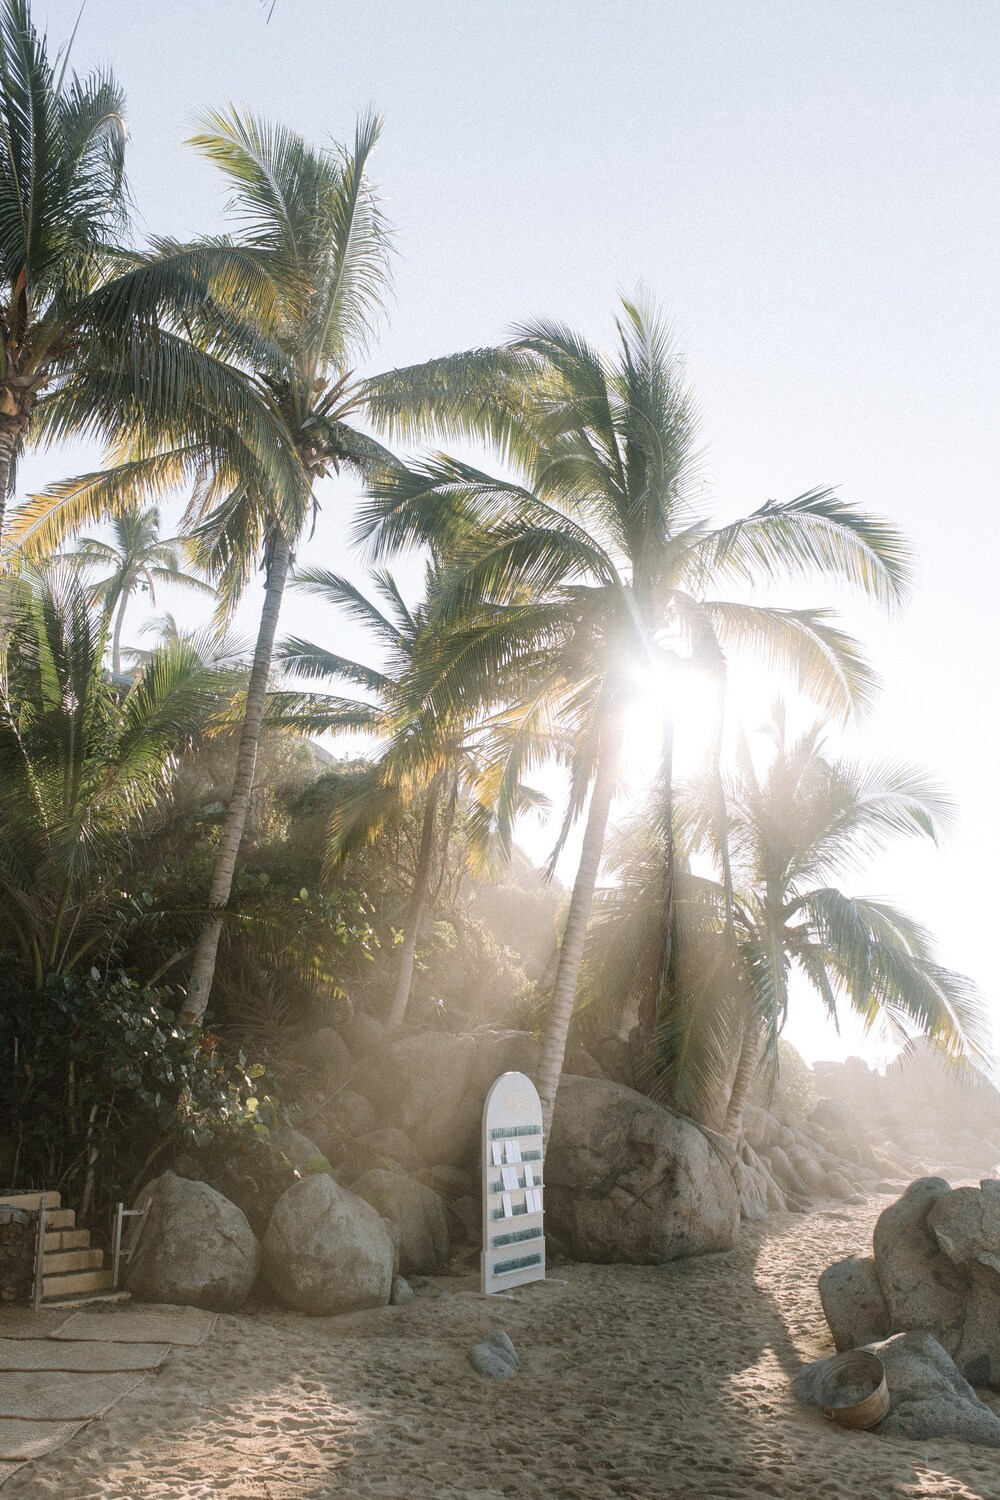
635	1381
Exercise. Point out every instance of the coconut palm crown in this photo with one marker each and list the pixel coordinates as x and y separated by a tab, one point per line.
599	551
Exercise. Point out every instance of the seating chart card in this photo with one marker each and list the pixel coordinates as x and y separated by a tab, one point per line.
512	1185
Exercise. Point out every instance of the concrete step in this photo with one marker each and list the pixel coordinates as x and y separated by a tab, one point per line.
60	1218
30	1200
76	1283
67	1239
59	1262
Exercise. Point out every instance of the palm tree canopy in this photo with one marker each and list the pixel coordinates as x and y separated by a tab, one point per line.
81	761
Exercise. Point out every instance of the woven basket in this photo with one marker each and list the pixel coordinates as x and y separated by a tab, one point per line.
847	1374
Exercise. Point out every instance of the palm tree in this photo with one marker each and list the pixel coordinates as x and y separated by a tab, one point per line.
81	763
600	555
139	558
793	825
84	348
422	757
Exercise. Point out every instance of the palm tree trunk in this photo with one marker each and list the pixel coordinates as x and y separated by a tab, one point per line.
553	1049
203	967
8	447
418	905
650	1012
745	1070
116	639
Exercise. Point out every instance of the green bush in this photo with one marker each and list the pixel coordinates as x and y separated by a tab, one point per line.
105	1088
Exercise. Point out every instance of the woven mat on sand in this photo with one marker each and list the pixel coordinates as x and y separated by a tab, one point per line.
54	1396
58	1354
26	1323
6	1470
135	1325
32	1439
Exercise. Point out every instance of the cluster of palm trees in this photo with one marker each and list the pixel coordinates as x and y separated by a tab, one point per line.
570	576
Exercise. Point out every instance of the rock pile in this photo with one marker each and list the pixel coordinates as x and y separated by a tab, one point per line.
935	1266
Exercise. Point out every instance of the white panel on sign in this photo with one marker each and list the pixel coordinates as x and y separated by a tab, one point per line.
513	1234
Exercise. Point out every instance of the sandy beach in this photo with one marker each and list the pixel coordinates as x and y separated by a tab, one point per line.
669	1381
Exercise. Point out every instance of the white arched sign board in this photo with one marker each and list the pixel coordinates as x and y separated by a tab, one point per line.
513	1231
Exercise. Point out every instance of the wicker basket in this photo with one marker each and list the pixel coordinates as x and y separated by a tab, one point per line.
848	1374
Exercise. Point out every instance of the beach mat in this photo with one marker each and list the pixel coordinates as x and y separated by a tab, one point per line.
84	1355
26	1323
56	1396
20	1439
6	1470
140	1325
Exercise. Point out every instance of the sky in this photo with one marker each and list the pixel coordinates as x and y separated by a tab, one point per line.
810	190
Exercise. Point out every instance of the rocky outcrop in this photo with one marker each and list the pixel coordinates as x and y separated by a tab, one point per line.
626	1181
852	1300
327	1250
966	1225
921	1286
417	1212
936	1268
194	1248
431	1086
930	1398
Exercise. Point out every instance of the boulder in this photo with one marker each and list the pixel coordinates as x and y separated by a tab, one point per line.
495	1357
852	1300
327	1251
350	1114
760	1128
922	1288
194	1248
451	1182
417	1211
402	1292
966	1225
775	1197
783	1172
930	1398
628	1182
362	1033
752	1191
388	1144
298	1149
329	1052
836	1117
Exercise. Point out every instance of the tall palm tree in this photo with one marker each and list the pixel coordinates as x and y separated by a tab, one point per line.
81	763
84	349
421	758
267	403
795	821
138	559
600	552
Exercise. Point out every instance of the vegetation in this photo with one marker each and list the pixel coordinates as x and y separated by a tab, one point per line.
174	847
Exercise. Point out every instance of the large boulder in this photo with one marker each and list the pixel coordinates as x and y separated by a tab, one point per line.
303	1153
417	1212
627	1181
852	1300
194	1248
930	1398
328	1251
921	1286
966	1225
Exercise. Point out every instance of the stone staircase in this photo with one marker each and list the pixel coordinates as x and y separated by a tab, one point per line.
70	1267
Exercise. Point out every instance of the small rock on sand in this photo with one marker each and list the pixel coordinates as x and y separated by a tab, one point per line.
495	1357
